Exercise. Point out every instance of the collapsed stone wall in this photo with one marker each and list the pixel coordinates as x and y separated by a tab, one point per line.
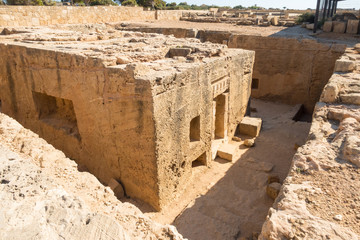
320	197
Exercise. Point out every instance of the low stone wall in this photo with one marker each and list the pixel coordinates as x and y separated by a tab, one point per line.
14	16
320	197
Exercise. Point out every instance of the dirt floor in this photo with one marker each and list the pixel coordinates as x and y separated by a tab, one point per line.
228	200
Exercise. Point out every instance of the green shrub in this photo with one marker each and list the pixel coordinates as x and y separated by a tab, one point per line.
131	3
306	17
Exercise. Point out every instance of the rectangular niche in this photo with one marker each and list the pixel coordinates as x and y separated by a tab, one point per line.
57	112
195	129
200	161
255	83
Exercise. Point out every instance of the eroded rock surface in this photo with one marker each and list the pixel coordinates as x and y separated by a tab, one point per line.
320	198
44	196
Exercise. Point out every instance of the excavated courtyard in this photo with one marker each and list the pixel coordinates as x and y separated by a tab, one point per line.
308	143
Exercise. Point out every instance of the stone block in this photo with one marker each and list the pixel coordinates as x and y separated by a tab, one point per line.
357	47
330	93
352	27
250	126
273	189
249	143
344	65
179	52
227	151
117	188
339	27
350	98
310	26
275	21
328	26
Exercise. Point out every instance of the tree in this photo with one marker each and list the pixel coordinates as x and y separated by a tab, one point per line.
31	2
157	4
131	3
239	7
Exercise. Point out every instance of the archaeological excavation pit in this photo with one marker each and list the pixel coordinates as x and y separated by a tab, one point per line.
161	115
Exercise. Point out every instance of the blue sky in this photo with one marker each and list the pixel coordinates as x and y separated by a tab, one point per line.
293	4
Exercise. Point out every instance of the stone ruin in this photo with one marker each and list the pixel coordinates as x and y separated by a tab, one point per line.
239	17
140	109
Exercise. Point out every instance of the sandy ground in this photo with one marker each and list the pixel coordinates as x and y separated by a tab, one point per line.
228	200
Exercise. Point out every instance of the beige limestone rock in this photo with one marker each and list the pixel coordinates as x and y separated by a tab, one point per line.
357	47
352	149
117	188
323	172
330	93
350	98
122	60
344	65
236	139
339	27
227	151
275	21
250	126
44	196
249	142
328	26
310	26
352	26
273	189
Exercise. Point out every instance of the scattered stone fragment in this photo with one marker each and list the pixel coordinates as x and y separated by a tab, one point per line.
338	217
117	188
236	139
249	142
179	52
273	178
273	189
122	60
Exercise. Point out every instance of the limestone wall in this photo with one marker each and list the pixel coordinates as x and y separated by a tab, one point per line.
320	196
140	117
289	70
75	103
195	96
48	15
